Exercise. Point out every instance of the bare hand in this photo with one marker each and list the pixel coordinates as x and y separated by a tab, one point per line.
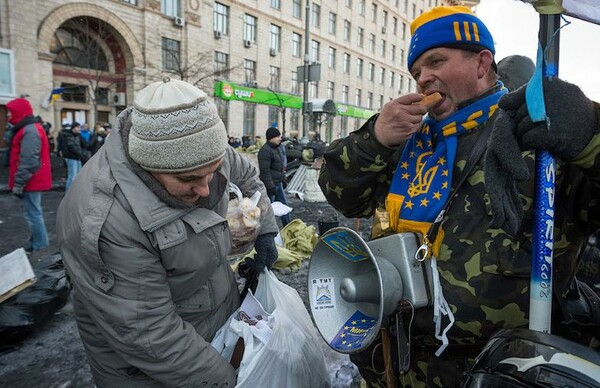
399	119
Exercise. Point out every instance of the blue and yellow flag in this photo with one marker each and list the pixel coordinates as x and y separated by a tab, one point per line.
423	178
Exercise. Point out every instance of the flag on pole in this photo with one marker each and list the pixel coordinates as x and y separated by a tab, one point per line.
55	95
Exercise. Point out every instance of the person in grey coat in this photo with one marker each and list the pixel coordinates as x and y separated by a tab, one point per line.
272	164
144	237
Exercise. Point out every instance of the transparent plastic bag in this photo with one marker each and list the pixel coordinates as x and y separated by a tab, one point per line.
292	356
243	217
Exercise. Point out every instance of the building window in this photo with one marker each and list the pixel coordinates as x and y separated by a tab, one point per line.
295	87
371	74
392	79
275	74
404	6
401	86
395	25
276	4
358	97
370	100
316	15
313	89
295	119
409	85
344	126
361	7
361	36
315	51
331	61
296	9
273	116
330	90
372	43
381	75
75	93
385	18
221	16
414	11
346	67
359	68
374	12
347	29
170	7
332	23
345	94
403	32
221	65
380	101
171	54
296	44
249	28
134	2
393	53
275	37
401	56
382	53
249	119
249	71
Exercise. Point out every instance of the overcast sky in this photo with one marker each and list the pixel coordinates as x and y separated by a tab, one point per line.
514	26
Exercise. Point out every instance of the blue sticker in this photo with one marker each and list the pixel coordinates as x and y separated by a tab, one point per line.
344	244
354	332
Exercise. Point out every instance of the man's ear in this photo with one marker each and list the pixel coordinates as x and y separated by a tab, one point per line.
485	62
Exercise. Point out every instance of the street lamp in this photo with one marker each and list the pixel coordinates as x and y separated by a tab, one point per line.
305	104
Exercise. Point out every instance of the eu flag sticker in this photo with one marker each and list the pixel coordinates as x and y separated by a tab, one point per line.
322	293
344	244
354	332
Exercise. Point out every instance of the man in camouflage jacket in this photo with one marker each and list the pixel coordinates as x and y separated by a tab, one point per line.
484	270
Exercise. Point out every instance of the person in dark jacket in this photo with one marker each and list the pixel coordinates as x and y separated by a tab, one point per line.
98	138
29	168
271	163
515	71
70	148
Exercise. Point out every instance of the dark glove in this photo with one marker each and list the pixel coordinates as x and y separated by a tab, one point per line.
272	192
504	166
572	116
18	191
266	252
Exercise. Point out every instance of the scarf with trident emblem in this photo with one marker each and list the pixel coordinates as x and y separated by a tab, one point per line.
423	177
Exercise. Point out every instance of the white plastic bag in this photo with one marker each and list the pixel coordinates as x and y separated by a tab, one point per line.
243	217
292	357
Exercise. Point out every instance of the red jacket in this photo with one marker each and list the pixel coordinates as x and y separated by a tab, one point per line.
29	156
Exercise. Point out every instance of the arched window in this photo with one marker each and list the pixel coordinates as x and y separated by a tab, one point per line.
73	46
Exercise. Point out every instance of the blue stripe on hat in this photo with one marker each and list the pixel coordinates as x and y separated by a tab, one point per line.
447	26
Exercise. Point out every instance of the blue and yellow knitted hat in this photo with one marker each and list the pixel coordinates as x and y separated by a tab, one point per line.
454	26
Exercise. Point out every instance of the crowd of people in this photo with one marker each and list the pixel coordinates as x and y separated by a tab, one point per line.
143	233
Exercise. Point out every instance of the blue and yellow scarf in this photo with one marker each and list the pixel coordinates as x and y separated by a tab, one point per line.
423	178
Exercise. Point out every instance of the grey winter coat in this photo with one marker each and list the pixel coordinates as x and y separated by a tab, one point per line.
151	282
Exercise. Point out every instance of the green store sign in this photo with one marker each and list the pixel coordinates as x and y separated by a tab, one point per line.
233	92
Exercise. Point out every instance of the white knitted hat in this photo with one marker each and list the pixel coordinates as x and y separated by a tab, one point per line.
175	128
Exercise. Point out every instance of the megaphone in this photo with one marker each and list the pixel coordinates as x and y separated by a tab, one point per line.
353	285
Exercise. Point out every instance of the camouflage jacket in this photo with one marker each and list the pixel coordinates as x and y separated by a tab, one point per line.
484	272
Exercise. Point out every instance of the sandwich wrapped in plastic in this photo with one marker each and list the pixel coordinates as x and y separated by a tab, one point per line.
243	216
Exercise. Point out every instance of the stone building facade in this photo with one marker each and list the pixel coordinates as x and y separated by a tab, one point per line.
84	60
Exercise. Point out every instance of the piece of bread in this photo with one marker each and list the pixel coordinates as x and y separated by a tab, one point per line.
431	100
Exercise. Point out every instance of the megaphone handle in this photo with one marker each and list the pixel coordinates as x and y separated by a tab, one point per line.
390	378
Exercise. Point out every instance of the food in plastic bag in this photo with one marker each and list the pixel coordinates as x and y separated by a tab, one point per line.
291	357
243	216
30	308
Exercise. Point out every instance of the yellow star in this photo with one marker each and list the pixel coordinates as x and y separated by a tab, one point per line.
406	176
363	320
404	165
442	161
445	173
411	154
429	143
346	327
419	144
409	204
342	335
343	342
437	195
424	202
445	185
354	323
349	344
